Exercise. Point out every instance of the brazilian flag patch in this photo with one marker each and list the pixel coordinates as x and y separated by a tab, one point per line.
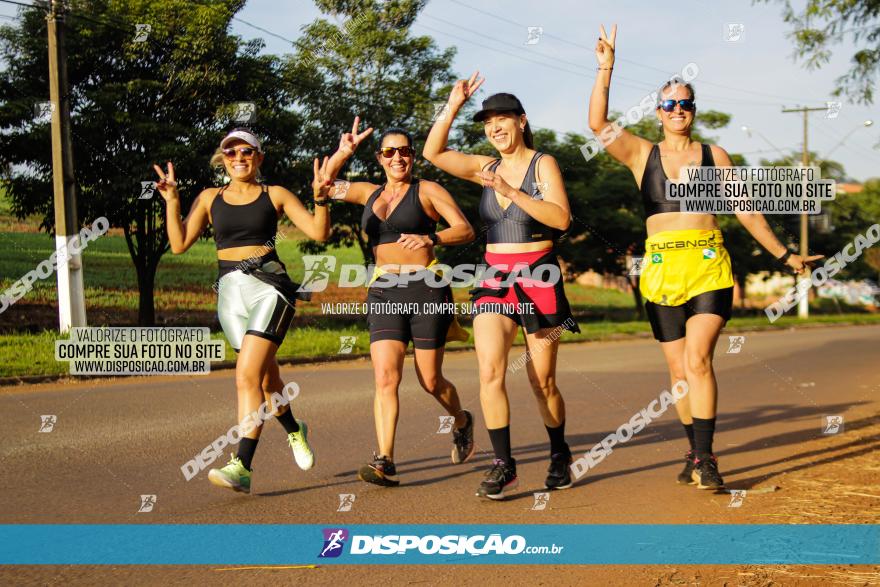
656	258
709	253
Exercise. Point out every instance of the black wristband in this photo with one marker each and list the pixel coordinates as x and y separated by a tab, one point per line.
785	257
324	202
434	238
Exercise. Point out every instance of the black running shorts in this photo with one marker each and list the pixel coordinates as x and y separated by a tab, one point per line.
414	310
668	322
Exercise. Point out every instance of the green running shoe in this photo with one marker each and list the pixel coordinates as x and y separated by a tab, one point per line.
233	476
299	443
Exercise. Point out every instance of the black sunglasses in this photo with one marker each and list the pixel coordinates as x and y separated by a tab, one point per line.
388	152
669	105
246	152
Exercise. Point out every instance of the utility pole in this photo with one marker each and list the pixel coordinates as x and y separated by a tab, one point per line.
804	303
71	300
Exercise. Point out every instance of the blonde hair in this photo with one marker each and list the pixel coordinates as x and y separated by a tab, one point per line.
217	159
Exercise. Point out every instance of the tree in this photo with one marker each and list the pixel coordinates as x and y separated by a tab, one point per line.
135	102
368	63
820	23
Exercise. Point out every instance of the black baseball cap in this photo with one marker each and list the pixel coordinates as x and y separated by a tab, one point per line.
499	103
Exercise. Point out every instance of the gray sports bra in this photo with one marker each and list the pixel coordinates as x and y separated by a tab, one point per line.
513	224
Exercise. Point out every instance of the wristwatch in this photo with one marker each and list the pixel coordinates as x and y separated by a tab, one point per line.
323	202
434	238
784	258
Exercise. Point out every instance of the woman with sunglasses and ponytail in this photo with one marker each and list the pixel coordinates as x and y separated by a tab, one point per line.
256	298
688	290
407	301
524	284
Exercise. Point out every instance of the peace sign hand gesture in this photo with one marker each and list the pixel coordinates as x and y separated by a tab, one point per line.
464	89
322	181
349	141
605	47
167	185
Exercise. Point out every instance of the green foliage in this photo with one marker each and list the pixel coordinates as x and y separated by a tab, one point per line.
135	103
819	24
370	64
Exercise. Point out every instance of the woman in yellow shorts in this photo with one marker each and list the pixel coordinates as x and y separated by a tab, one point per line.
686	279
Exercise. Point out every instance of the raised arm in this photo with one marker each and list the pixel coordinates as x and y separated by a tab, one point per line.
624	146
316	226
757	226
352	192
436	151
181	233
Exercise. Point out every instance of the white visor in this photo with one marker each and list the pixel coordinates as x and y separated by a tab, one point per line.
241	135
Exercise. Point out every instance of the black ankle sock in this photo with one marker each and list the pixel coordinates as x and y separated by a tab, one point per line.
704	430
689	430
287	421
500	438
246	449
557	440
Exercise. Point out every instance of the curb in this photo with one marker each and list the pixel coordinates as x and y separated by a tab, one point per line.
224	365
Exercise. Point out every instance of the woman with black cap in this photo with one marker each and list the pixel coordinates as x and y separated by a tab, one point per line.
256	298
524	288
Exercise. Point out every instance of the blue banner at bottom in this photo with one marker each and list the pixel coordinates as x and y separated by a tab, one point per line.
277	544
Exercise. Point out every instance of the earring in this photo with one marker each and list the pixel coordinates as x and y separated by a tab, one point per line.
660	124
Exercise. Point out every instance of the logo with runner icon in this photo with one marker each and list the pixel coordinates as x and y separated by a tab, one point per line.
334	541
318	271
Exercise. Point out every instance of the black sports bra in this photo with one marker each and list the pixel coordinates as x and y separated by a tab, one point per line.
407	217
513	224
654	182
254	223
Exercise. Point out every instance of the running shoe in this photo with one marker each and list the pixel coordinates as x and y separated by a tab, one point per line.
559	473
233	476
686	475
381	471
299	443
501	477
463	441
706	474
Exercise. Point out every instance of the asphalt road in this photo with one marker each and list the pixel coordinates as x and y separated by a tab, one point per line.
115	440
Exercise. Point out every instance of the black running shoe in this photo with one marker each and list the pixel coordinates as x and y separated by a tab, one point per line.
500	477
685	477
559	473
463	440
706	474
381	471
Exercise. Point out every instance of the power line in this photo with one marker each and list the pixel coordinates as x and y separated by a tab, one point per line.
24	5
636	63
261	29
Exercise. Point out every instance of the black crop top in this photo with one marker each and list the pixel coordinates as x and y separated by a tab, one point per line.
408	217
654	182
513	224
254	223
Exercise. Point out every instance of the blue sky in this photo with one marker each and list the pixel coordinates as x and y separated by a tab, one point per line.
751	79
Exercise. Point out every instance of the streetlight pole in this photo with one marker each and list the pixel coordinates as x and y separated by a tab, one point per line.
71	300
864	124
804	304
